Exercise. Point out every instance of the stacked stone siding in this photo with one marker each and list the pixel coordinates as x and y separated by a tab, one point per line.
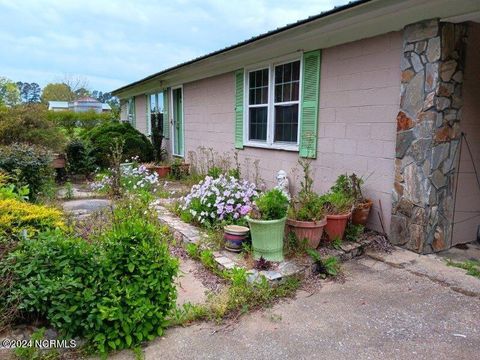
428	135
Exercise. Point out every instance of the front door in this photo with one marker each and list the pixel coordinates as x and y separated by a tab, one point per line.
177	106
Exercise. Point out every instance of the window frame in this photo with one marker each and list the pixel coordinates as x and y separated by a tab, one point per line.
131	106
269	143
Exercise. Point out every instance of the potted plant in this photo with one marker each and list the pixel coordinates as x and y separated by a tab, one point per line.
267	225
339	209
306	216
234	237
179	168
352	185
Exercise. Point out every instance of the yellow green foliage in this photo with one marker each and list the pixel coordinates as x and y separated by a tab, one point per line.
16	216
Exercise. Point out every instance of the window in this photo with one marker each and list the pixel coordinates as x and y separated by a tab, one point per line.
155	112
273	105
131	111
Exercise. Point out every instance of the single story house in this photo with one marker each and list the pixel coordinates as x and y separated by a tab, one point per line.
387	89
80	105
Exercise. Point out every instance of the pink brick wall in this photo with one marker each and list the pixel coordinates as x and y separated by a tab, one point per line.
468	196
140	114
359	100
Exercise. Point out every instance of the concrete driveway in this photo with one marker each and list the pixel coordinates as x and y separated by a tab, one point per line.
380	312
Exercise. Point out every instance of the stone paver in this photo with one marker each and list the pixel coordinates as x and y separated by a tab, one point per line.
83	207
190	288
380	312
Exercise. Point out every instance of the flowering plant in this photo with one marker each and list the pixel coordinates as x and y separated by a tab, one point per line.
134	178
224	199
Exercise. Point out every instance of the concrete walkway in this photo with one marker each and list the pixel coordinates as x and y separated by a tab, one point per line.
381	311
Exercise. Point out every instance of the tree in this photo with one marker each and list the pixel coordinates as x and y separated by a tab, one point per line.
57	92
29	92
9	94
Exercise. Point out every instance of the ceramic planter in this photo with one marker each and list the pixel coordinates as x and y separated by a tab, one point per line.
234	237
162	170
310	230
336	225
267	238
361	212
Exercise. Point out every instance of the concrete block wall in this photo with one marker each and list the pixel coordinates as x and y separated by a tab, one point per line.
359	100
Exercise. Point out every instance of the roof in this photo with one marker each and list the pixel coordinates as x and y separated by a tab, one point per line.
106	107
87	99
248	41
58	104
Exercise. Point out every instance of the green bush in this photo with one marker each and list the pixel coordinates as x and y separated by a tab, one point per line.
70	120
80	159
135	143
115	290
29	165
30	124
272	205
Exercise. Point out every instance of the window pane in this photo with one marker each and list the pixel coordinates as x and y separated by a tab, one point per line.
160	102
287	79
153	104
258	123
258	87
286	123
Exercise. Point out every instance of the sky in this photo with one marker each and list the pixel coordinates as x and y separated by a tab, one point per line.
111	43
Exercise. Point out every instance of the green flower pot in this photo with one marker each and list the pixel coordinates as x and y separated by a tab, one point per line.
267	238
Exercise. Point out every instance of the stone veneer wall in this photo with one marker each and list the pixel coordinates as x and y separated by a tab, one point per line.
428	135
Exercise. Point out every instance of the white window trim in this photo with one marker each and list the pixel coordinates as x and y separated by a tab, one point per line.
170	113
130	116
149	109
269	144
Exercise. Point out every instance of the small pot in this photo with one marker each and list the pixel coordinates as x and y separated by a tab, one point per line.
58	161
234	237
310	230
361	212
336	225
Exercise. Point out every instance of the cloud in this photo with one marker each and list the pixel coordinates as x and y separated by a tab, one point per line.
112	43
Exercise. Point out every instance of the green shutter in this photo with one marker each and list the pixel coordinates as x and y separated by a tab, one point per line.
148	125
166	119
309	104
239	109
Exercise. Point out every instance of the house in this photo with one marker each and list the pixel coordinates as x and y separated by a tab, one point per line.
382	88
80	105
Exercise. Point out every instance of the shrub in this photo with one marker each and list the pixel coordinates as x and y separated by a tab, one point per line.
85	120
29	164
17	216
271	205
10	190
115	291
135	143
224	199
30	124
80	159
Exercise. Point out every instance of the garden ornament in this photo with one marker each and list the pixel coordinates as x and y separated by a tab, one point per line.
283	184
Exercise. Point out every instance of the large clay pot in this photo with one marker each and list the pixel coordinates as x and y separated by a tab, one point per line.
361	212
161	170
336	225
310	230
267	238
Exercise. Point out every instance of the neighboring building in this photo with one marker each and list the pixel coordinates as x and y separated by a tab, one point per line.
381	88
80	105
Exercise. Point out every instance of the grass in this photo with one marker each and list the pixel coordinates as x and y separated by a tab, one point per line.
472	266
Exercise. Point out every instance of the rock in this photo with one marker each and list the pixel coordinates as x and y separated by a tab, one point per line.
398	230
398	188
414	185
418	216
439	119
433	49
450	116
420	46
431	77
450	161
412	101
458	77
439	154
442	103
438	242
429	116
404	140
404	63
403	122
409	47
421	31
417	237
419	149
445	89
438	179
271	275
416	62
404	207
443	134
457	102
424	129
289	268
447	69
429	101
407	75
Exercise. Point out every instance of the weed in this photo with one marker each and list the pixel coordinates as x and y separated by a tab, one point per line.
472	266
325	267
69	190
352	232
336	243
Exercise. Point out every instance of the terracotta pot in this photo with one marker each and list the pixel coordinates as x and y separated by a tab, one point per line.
361	212
336	225
161	170
310	230
58	161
